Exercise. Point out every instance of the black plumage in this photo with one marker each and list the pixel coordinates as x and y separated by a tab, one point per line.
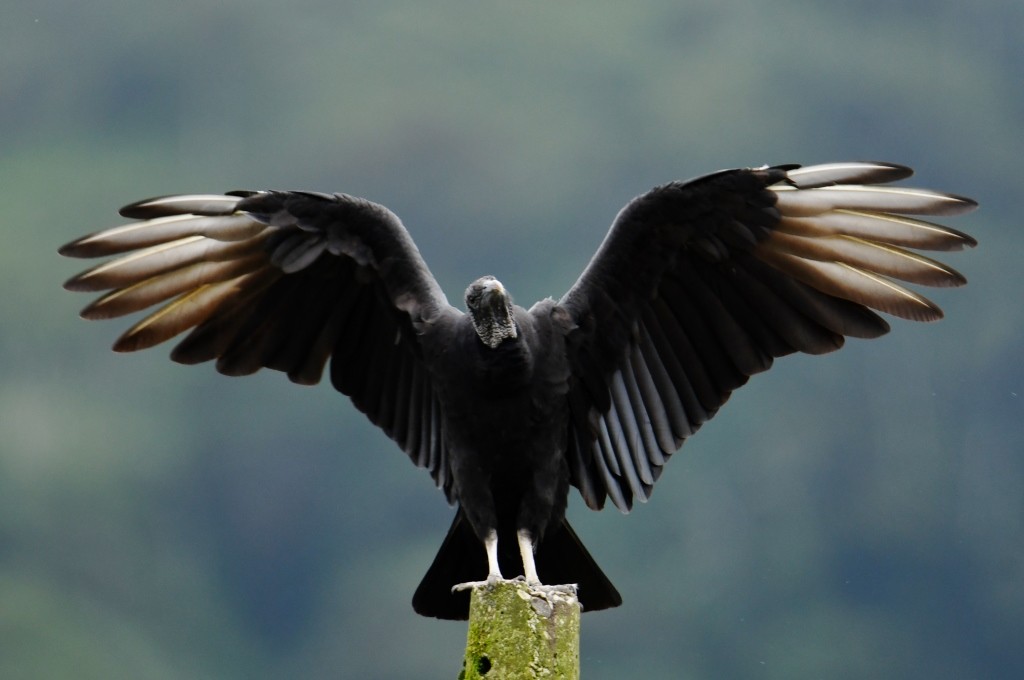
697	286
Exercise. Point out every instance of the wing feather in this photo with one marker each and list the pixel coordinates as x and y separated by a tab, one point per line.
801	202
643	423
149	291
582	465
609	445
718	370
781	326
658	437
305	361
676	427
881	258
610	479
163	230
629	420
687	374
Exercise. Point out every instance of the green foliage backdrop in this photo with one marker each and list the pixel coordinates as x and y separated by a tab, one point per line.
853	516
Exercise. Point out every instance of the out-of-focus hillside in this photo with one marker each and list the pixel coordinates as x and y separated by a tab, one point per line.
858	515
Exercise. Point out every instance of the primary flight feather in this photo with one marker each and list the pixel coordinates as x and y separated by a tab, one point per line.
697	286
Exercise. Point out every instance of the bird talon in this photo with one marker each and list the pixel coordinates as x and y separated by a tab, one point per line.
491	581
562	589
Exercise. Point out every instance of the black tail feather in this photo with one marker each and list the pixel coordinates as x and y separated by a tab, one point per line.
561	558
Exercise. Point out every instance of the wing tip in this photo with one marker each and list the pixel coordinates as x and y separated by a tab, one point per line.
831	174
179	204
72	249
85	247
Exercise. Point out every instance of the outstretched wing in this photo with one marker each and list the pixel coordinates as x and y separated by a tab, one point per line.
282	280
701	284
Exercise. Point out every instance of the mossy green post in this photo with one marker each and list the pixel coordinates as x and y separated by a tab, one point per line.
517	632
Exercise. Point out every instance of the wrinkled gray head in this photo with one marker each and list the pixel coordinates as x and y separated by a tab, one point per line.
490	309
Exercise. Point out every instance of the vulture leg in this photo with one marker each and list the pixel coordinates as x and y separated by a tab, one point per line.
491	546
493	572
526	550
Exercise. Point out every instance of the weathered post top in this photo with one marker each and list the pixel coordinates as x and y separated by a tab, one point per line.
522	632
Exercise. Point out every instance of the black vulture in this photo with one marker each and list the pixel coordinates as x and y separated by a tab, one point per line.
697	286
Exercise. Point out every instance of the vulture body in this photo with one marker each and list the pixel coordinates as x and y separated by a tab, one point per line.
697	286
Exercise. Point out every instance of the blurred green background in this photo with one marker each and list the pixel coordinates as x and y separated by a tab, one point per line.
852	516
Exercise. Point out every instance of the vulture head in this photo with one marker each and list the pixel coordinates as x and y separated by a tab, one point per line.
490	309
